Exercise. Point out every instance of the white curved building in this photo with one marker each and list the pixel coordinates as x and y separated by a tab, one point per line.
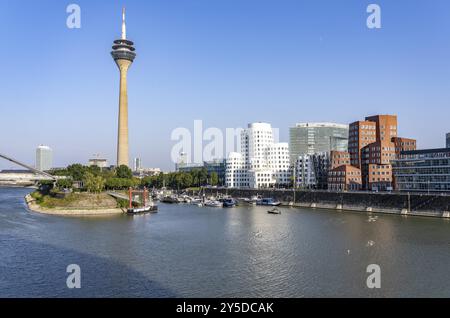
262	163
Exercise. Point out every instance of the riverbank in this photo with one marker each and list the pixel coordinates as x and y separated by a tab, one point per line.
423	205
70	211
339	207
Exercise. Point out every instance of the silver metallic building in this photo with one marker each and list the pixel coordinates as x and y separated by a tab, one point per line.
311	138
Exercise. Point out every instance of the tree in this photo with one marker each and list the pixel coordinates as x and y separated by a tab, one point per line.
121	183
95	170
203	176
64	183
187	180
124	172
76	171
214	178
93	183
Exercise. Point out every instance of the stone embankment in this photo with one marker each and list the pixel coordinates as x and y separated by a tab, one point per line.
431	205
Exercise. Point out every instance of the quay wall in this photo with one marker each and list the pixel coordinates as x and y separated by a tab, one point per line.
435	205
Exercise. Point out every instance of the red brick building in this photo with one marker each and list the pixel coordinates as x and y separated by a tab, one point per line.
339	158
373	145
344	178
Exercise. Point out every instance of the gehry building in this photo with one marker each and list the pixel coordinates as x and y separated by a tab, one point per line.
261	163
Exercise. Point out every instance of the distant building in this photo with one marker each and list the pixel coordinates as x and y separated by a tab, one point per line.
448	140
137	164
147	172
182	161
44	158
261	163
311	171
373	145
219	167
311	138
345	178
339	158
403	144
423	170
188	167
98	162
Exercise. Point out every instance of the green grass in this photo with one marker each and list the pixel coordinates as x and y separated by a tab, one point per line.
50	202
76	200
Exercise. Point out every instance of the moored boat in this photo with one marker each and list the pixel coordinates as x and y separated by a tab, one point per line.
213	204
229	203
170	199
153	208
268	202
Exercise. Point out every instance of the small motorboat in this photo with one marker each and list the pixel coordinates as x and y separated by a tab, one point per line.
196	201
170	199
213	204
274	211
229	203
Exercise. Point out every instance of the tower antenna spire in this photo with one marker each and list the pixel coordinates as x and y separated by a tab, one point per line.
124	27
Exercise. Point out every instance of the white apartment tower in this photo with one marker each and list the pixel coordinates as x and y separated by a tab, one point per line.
137	164
261	163
44	158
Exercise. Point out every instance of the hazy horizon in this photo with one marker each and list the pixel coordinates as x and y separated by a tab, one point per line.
225	62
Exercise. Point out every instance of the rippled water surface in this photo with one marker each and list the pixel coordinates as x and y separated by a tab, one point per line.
187	251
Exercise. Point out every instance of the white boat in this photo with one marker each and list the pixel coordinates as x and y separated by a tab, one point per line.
196	201
214	204
248	201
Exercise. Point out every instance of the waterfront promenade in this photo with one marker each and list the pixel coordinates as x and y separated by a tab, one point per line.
416	204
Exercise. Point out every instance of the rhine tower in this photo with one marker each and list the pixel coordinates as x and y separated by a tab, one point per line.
123	54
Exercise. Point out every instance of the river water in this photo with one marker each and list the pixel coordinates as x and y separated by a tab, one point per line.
188	251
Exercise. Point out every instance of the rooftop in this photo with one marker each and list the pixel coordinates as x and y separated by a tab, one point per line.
426	151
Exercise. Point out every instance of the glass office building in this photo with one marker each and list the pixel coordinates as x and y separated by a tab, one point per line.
448	140
423	171
311	138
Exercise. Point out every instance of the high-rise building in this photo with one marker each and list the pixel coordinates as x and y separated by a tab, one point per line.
137	164
448	140
373	145
361	134
261	163
311	138
44	158
123	53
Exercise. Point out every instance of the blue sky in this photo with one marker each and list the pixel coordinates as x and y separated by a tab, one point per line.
226	62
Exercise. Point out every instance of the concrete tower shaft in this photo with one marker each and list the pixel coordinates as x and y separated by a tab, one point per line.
123	54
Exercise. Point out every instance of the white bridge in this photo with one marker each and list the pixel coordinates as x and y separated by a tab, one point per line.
25	177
